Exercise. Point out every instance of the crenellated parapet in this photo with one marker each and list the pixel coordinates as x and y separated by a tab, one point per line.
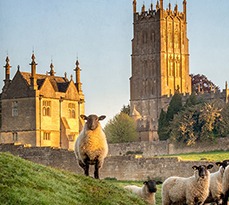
158	11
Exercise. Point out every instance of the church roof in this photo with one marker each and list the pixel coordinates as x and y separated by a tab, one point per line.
60	84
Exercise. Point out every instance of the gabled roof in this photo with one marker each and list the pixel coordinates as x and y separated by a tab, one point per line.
60	84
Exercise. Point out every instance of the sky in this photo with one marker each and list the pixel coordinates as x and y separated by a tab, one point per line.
98	33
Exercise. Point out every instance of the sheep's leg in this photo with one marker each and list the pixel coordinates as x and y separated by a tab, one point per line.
225	198
97	167
85	166
86	170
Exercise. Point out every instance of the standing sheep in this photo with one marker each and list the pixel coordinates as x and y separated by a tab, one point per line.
147	191
226	185
215	189
192	190
91	146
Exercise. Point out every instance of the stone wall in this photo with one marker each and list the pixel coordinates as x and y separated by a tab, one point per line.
119	167
144	148
130	168
156	148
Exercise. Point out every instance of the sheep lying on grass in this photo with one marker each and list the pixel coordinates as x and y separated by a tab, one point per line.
192	190
146	192
91	146
225	185
215	188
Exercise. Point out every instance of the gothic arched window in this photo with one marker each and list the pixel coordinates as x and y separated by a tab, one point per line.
46	108
71	110
14	108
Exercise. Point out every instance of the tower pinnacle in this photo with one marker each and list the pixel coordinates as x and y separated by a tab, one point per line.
134	6
185	9
161	4
33	78
7	69
52	72
78	83
7	73
143	8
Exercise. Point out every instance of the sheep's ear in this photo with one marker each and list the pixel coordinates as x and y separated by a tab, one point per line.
219	164
209	166
158	182
102	117
84	117
226	162
195	167
145	182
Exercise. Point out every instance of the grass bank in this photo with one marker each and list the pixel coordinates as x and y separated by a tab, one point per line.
26	183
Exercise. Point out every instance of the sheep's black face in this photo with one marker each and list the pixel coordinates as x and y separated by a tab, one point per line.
92	121
202	170
151	184
225	163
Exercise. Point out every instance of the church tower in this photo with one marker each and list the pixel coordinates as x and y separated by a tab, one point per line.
160	62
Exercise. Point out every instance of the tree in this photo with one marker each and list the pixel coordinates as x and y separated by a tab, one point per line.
126	109
197	123
191	101
165	118
182	127
202	83
162	126
120	129
223	127
174	107
209	115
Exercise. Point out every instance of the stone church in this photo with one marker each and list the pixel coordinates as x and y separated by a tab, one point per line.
160	64
41	109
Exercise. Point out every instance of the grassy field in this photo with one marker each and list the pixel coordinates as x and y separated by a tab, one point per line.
23	182
210	156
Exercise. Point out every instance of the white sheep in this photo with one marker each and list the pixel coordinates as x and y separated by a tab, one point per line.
91	145
215	188
146	192
192	190
225	185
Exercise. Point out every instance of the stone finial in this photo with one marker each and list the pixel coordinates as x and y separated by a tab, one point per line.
33	80
176	8
161	4
134	6
77	73
143	8
52	72
151	6
7	70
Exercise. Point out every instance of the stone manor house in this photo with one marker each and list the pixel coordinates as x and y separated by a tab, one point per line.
41	110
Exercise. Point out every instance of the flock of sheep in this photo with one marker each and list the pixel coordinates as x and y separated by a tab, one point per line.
203	187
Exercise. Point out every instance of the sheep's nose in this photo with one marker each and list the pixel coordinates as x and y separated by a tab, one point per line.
152	190
202	174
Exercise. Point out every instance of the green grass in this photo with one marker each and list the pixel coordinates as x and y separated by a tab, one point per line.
24	182
210	156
